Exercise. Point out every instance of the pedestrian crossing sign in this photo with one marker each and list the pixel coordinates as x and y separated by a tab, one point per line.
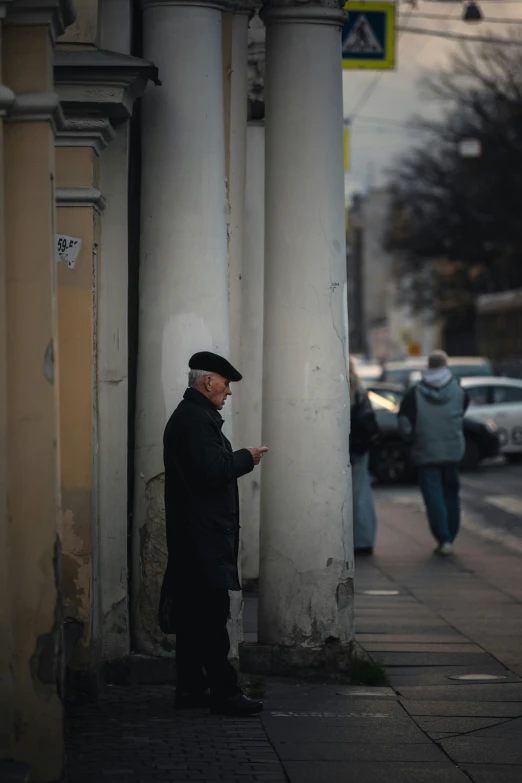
369	36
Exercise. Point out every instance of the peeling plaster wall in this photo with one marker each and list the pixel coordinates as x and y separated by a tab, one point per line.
33	455
76	167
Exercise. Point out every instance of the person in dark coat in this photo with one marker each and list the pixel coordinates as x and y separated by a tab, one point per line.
202	527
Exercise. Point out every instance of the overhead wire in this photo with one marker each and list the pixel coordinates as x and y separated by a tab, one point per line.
459	36
485	20
375	81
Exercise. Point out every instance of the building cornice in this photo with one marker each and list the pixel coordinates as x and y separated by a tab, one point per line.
220	5
7	98
4	5
98	82
36	107
95	132
57	14
80	197
328	12
249	7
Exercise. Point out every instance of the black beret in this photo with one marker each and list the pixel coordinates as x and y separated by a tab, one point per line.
211	362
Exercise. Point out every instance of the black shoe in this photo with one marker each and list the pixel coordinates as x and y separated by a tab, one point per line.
191	700
239	705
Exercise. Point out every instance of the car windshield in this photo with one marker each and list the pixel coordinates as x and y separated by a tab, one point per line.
399	375
481	370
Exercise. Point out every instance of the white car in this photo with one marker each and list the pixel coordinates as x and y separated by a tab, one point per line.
500	400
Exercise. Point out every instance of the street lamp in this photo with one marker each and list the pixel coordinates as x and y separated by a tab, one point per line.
472	12
469	147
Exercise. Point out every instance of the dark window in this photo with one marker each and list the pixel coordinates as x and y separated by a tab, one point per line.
507	394
478	395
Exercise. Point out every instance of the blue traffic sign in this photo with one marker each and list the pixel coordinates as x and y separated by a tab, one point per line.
368	38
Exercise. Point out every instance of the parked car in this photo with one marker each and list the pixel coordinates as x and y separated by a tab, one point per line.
500	400
390	460
409	371
391	391
367	370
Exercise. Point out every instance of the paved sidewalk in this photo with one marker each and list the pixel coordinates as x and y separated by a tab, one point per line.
427	619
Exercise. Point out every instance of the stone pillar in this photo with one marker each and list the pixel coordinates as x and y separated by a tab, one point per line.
7	681
30	376
184	260
252	283
306	570
236	174
97	91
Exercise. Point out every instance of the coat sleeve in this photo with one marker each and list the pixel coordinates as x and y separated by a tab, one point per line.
467	401
408	415
209	460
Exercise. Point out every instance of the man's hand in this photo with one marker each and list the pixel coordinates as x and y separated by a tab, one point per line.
257	453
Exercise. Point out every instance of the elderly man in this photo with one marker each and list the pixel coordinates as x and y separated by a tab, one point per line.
431	419
202	521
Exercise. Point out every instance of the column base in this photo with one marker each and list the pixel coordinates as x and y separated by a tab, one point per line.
332	660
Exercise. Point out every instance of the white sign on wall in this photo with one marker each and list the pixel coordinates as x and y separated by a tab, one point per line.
68	249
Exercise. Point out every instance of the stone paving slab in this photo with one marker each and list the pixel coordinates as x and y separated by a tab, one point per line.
401	676
391	727
413	638
480	750
453	725
435	659
492	773
463	708
419	647
375	772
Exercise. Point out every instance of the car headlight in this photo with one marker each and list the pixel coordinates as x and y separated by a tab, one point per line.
491	425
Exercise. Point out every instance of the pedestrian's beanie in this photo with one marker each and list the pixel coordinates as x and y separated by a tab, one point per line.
212	362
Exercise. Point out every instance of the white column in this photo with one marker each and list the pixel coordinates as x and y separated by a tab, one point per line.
114	33
306	569
184	260
252	340
252	297
236	186
113	398
236	198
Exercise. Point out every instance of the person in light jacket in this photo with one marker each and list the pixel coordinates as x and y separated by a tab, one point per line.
431	420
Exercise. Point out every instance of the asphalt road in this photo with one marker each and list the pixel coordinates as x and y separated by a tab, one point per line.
491	501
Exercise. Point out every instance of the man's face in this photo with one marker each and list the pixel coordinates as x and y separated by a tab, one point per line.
218	390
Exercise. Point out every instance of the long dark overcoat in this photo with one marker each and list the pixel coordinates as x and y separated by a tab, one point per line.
201	497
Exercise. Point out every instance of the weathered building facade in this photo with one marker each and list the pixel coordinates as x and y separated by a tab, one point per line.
150	208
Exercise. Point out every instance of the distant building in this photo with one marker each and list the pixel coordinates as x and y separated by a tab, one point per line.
382	325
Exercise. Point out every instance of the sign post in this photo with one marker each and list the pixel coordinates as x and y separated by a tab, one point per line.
369	36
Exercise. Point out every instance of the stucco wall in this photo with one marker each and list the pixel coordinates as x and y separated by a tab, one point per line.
76	336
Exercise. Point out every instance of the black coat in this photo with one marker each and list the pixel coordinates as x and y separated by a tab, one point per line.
364	429
201	496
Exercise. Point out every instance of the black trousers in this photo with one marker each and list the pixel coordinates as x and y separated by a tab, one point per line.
202	643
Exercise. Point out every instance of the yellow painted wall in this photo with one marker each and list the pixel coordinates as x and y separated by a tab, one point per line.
32	438
76	314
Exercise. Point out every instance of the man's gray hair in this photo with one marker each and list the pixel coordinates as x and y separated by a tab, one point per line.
196	376
437	359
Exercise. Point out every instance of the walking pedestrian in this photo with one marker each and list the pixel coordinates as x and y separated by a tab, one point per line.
202	526
431	419
363	431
